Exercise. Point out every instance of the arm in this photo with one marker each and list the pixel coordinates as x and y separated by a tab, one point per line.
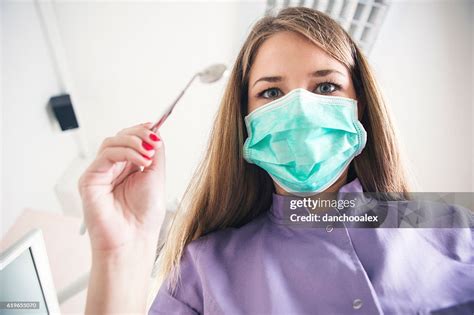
122	195
120	279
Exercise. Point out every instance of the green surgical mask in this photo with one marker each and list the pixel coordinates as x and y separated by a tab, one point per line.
304	140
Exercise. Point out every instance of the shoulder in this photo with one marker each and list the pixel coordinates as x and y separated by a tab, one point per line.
446	228
207	256
434	214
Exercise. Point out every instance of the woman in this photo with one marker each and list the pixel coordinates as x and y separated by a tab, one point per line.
301	117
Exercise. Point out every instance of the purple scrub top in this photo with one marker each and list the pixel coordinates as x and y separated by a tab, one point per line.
269	266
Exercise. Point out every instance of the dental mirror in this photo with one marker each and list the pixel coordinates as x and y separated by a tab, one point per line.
209	75
212	73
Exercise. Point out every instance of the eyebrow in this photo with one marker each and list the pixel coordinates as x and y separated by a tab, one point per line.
318	73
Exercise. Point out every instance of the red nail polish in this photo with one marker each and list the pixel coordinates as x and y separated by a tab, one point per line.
146	157
147	146
154	137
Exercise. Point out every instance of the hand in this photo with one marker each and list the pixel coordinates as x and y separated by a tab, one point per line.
122	203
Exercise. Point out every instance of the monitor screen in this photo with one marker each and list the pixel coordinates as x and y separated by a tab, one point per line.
19	282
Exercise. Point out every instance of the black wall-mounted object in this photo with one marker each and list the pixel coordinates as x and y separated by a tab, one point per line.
64	111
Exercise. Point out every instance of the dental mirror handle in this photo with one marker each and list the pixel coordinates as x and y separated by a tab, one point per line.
170	108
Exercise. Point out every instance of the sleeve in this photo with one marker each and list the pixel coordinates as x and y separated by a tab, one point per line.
188	295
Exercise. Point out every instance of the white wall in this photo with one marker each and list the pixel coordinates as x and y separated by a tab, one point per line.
34	154
128	60
423	60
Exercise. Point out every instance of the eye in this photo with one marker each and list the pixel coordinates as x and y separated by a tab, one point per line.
327	88
270	93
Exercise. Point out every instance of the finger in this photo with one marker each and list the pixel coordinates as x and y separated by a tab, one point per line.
143	132
157	167
131	130
156	173
148	138
129	141
111	155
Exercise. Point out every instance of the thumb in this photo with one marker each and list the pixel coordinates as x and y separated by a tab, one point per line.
155	178
157	166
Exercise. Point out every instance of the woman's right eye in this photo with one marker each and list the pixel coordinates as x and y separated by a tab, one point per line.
270	93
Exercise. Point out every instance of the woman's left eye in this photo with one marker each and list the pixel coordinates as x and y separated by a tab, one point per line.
327	88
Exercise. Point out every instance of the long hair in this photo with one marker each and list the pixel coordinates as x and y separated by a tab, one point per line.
226	191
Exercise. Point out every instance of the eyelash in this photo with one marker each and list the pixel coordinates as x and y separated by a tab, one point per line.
337	86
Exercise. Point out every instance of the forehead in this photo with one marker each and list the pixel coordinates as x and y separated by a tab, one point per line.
289	51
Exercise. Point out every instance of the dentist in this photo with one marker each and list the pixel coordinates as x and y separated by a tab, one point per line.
301	116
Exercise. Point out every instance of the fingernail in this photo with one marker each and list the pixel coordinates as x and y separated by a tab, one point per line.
147	146
146	157
154	137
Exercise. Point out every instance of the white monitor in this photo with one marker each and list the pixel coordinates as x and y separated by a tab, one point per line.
26	284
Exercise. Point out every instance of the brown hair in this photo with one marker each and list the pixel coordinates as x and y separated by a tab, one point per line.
226	191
